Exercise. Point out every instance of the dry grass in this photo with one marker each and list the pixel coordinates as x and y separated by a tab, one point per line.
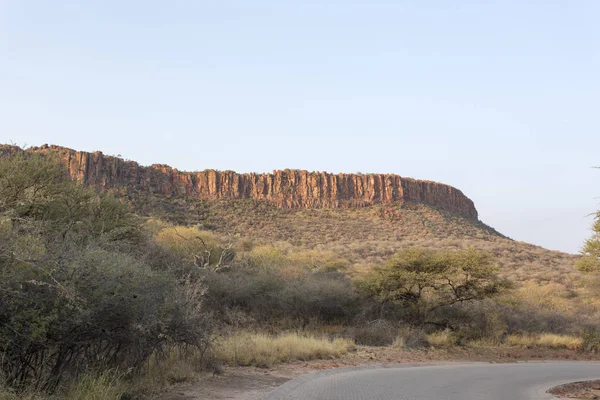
441	339
106	386
547	340
6	394
485	342
552	297
263	350
175	366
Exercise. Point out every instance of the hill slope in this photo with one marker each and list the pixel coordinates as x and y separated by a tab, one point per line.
367	236
362	218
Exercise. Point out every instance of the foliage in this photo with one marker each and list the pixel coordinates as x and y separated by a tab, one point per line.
75	291
366	236
375	333
421	282
267	296
591	340
410	337
590	260
87	287
190	245
105	386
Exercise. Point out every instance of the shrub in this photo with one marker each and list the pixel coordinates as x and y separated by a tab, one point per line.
477	320
192	246
75	292
325	296
314	296
525	319
591	340
375	333
410	337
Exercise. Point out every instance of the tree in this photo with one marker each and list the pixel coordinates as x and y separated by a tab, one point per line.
590	260
421	282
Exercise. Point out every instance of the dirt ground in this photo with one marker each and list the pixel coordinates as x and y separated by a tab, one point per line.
578	390
250	383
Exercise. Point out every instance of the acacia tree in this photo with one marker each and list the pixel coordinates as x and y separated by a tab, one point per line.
420	282
590	260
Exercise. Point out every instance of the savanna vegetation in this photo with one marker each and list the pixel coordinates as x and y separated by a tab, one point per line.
83	289
590	260
108	296
363	237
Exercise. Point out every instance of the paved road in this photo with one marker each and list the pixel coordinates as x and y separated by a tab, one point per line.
527	381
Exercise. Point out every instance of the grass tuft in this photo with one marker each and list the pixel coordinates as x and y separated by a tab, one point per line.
105	386
548	340
263	350
441	339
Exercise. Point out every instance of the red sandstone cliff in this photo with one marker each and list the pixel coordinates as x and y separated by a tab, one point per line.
286	189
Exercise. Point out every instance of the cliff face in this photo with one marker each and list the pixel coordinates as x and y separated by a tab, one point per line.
286	189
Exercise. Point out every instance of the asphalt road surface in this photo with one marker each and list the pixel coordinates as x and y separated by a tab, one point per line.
526	381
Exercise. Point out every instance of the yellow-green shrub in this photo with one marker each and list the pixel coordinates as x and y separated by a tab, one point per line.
548	340
441	339
257	349
105	386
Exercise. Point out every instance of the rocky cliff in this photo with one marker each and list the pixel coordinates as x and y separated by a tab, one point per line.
286	189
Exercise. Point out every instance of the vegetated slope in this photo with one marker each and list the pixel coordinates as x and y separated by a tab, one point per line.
363	236
361	218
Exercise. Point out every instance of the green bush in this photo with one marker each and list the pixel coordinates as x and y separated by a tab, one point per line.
76	292
409	337
326	297
375	333
591	340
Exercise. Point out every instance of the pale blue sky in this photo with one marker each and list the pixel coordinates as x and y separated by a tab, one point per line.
498	98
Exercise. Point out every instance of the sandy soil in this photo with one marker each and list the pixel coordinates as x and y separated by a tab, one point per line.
249	383
578	390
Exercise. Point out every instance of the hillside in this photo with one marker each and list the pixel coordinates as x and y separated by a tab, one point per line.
311	265
362	219
364	236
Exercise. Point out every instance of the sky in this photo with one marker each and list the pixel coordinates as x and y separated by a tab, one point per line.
497	98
